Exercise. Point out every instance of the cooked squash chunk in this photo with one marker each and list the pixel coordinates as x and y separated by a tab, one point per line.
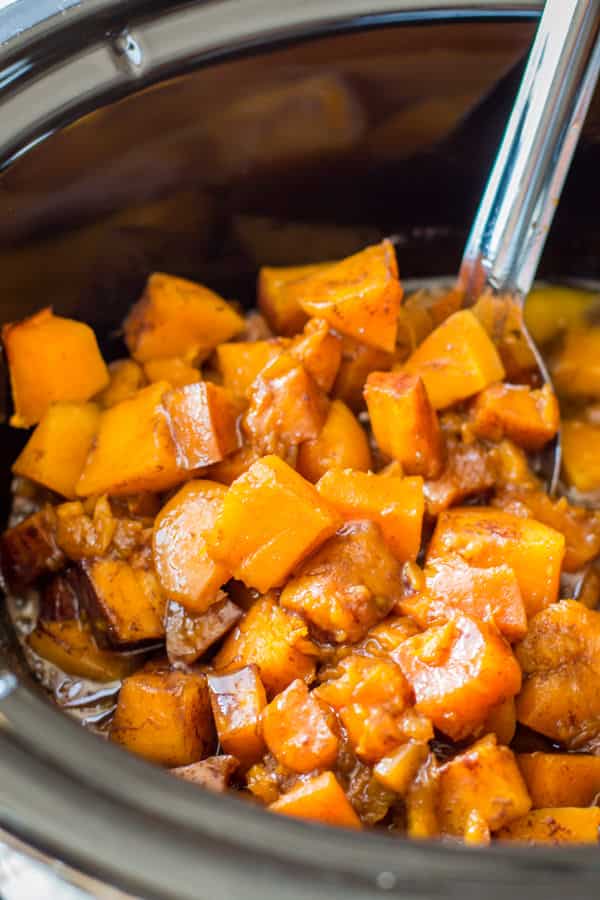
566	825
186	571
581	454
358	360
133	450
502	319
470	471
271	519
203	423
486	779
51	360
404	423
459	671
490	537
234	465
298	732
175	317
560	659
189	635
319	350
273	639
241	361
164	717
213	773
395	504
551	309
177	372
348	585
125	604
398	770
502	721
456	361
71	645
576	371
529	418
359	296
319	799
55	454
342	444
29	550
238	698
276	298
126	377
560	779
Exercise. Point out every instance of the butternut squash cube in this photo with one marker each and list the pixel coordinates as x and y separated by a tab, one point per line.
29	550
359	296
237	463
581	454
489	537
456	360
238	698
71	646
319	350
164	717
240	362
470	471
203	423
177	372
175	317
560	779
133	450
186	571
358	360
56	452
297	730
276	299
342	443
550	309
318	799
529	418
396	504
51	360
398	770
404	423
271	519
126	377
564	825
576	371
189	635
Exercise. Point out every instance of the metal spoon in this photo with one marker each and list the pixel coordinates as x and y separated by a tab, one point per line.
519	201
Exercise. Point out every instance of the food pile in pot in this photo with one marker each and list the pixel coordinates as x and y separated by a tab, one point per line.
307	554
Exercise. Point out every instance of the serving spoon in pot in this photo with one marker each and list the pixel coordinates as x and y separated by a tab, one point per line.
519	201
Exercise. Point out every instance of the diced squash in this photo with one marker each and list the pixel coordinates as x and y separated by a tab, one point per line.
276	299
404	423
421	802
177	372
51	360
359	296
456	361
459	671
529	418
421	313
319	799
126	377
203	423
164	717
576	371
561	779
186	571
189	635
29	550
490	537
348	585
124	603
175	317
234	465
581	454
387	635
470	471
319	350
286	406
550	309
398	770
358	360
502	721
395	504
297	730
238	698
213	773
560	659
133	450
484	778
55	454
72	647
271	519
241	361
273	639
502	317
565	825
342	444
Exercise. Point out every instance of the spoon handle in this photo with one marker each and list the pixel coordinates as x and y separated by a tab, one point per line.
522	193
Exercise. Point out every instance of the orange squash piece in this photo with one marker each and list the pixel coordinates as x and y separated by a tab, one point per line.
231	467
342	443
398	770
175	317
318	799
238	698
576	371
164	717
470	470
297	730
564	825
56	452
459	671
561	779
358	360
126	377
271	519
581	454
490	537
404	423
240	362
203	423
273	639
29	550
359	296
276	298
502	721
51	360
396	504
186	571
71	646
528	417
319	350
177	372
133	451
456	361
189	635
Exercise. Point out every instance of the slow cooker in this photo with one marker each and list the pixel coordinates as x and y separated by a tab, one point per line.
208	138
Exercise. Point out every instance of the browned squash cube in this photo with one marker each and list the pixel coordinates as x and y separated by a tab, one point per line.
238	699
71	646
319	350
562	825
529	418
358	360
203	421
190	635
240	362
126	377
29	550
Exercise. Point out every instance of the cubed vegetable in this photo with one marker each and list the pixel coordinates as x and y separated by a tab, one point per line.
550	309
177	372
238	698
241	361
528	417
576	370
398	770
203	423
276	298
502	317
561	779
319	799
213	773
319	350
342	443
358	360
71	645
581	454
189	635
126	377
29	550
470	471
298	732
566	825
